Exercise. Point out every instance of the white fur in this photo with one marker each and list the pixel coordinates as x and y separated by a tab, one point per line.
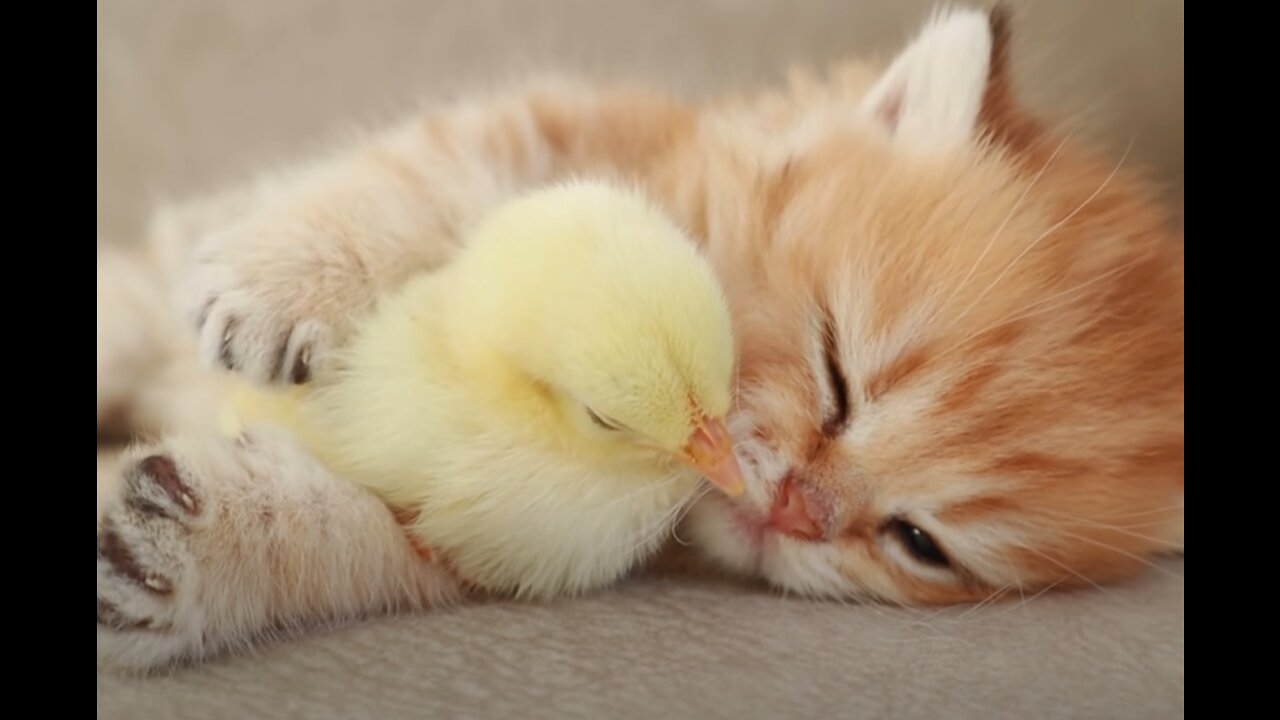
931	94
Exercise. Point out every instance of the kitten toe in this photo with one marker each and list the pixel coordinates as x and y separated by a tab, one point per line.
146	569
252	336
158	487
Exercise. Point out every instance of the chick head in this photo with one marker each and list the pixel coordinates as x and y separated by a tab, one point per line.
614	319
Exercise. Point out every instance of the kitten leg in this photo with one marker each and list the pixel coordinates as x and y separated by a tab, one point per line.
208	544
277	289
274	291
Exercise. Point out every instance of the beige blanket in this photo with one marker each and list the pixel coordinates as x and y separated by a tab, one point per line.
684	648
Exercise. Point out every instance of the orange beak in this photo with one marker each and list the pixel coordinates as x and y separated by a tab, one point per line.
710	452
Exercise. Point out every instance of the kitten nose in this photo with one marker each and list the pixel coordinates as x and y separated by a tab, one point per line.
796	513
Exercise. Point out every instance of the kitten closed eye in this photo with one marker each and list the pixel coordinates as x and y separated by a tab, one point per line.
838	419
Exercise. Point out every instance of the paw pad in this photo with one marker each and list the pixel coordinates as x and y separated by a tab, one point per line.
163	471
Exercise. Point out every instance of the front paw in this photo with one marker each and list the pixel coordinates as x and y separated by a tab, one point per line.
272	310
148	577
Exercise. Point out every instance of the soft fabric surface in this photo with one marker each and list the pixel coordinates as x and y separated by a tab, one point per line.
679	647
191	95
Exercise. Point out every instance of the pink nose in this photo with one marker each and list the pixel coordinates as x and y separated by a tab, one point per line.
795	513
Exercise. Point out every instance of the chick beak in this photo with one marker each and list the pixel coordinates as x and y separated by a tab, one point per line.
710	452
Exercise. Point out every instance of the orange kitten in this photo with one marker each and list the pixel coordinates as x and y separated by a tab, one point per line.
961	345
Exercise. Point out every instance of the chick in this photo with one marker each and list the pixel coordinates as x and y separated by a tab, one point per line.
543	405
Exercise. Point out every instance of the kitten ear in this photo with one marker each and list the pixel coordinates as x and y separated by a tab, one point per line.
935	91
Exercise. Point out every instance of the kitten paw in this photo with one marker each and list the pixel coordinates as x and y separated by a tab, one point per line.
147	573
271	311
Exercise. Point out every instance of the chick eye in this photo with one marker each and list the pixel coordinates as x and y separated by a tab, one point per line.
918	542
601	421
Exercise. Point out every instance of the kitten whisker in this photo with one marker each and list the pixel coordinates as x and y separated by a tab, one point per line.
1052	229
675	527
996	235
647	534
1043	591
1155	566
1013	570
647	488
1016	317
1040	593
1141	513
988	601
1073	572
1106	526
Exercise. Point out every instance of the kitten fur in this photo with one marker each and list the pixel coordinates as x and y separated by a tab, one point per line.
955	324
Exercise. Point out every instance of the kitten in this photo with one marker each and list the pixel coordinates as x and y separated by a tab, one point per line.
961	345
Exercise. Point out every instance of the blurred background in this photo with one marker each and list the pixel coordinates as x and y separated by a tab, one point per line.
196	94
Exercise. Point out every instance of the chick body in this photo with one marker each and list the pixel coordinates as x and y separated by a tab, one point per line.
472	396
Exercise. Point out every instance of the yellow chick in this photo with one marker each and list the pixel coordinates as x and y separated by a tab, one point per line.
544	404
